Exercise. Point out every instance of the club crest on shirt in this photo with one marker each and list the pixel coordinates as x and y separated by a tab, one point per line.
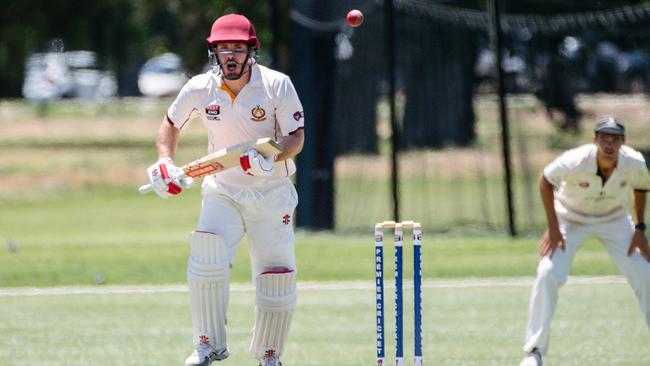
212	112
623	184
258	114
584	184
298	115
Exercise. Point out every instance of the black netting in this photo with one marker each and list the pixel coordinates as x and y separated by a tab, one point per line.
450	162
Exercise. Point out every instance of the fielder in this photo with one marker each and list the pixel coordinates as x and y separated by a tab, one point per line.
237	101
586	192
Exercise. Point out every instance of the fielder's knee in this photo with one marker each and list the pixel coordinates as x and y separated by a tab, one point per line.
547	271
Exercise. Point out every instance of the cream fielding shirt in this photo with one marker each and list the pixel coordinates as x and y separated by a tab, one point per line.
580	195
267	106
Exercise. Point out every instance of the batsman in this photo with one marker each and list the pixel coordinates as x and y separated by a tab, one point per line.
238	100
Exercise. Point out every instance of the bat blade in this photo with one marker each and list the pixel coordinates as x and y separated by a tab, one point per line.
224	159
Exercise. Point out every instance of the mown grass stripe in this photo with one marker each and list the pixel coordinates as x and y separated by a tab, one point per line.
304	286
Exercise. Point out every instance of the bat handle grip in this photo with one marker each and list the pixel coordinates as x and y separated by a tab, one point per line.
186	182
145	188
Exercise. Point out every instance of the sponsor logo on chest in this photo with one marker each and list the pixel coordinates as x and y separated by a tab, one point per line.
212	112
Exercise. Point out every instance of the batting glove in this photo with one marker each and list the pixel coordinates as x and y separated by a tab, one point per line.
165	178
253	163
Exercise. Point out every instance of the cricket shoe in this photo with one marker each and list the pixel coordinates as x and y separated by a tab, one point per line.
270	359
533	358
204	354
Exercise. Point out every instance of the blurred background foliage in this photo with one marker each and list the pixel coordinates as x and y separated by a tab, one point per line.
124	33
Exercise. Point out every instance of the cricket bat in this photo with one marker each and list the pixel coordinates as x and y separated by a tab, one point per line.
223	159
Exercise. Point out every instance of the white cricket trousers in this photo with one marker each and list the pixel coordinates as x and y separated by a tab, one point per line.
552	273
265	214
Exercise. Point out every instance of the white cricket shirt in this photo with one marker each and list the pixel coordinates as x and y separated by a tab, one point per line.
267	106
580	195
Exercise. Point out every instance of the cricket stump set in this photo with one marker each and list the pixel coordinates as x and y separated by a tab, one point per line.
399	306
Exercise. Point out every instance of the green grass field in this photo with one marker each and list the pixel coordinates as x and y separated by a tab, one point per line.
73	238
70	215
478	326
125	238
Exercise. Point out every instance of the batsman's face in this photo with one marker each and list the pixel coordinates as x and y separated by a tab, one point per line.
232	57
608	145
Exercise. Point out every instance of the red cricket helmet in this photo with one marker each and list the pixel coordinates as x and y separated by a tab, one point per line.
233	28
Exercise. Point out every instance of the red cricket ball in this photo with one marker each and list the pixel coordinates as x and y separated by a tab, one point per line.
355	18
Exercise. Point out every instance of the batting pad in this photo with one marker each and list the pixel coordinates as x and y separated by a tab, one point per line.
208	275
275	300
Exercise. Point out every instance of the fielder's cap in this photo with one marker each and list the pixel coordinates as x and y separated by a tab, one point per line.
610	125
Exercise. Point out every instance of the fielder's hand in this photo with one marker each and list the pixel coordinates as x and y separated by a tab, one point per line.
552	240
253	163
640	243
165	179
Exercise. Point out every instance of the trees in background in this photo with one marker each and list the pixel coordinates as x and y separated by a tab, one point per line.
124	33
